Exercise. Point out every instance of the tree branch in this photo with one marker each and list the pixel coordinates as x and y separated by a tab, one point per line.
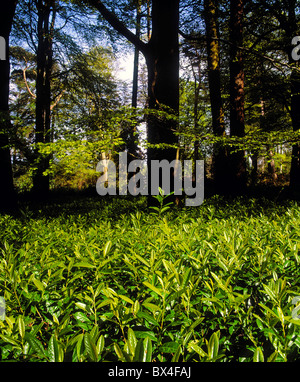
26	83
58	98
117	24
276	63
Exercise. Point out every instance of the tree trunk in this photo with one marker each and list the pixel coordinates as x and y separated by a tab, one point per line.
162	59
292	30
254	171
132	138
7	194
136	57
163	78
237	177
295	115
43	91
214	79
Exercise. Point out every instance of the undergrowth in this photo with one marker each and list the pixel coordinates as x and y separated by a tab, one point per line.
105	280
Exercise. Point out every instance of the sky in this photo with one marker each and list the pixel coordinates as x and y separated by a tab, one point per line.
125	70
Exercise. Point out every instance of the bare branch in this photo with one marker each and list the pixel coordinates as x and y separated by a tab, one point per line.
58	98
25	80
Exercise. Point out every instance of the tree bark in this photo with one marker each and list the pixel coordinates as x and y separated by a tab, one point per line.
162	60
214	79
136	58
132	145
43	91
292	30
237	177
7	194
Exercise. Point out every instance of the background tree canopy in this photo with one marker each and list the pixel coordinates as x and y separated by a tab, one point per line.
220	86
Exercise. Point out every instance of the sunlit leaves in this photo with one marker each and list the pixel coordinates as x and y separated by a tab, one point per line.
106	284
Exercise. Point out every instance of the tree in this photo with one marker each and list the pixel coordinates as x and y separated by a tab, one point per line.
162	59
286	19
7	199
237	173
291	28
132	138
84	123
214	80
45	30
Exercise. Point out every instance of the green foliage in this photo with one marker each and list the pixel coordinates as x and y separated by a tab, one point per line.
160	198
96	280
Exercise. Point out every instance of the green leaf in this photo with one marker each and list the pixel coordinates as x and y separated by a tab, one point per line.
80	345
143	351
125	298
84	264
138	356
35	345
186	278
268	310
270	293
119	352
53	350
90	347
81	305
152	307
40	286
197	349
195	324
258	355
132	341
176	356
148	318
141	259
147	355
220	283
80	316
9	340
107	248
136	307
169	347
143	334
273	356
165	208
100	344
213	345
82	320
152	287
21	326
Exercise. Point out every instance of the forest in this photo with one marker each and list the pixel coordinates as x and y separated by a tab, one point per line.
92	273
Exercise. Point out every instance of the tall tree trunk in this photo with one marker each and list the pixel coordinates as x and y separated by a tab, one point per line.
132	145
162	60
237	177
214	79
43	90
291	29
197	88
7	193
136	57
